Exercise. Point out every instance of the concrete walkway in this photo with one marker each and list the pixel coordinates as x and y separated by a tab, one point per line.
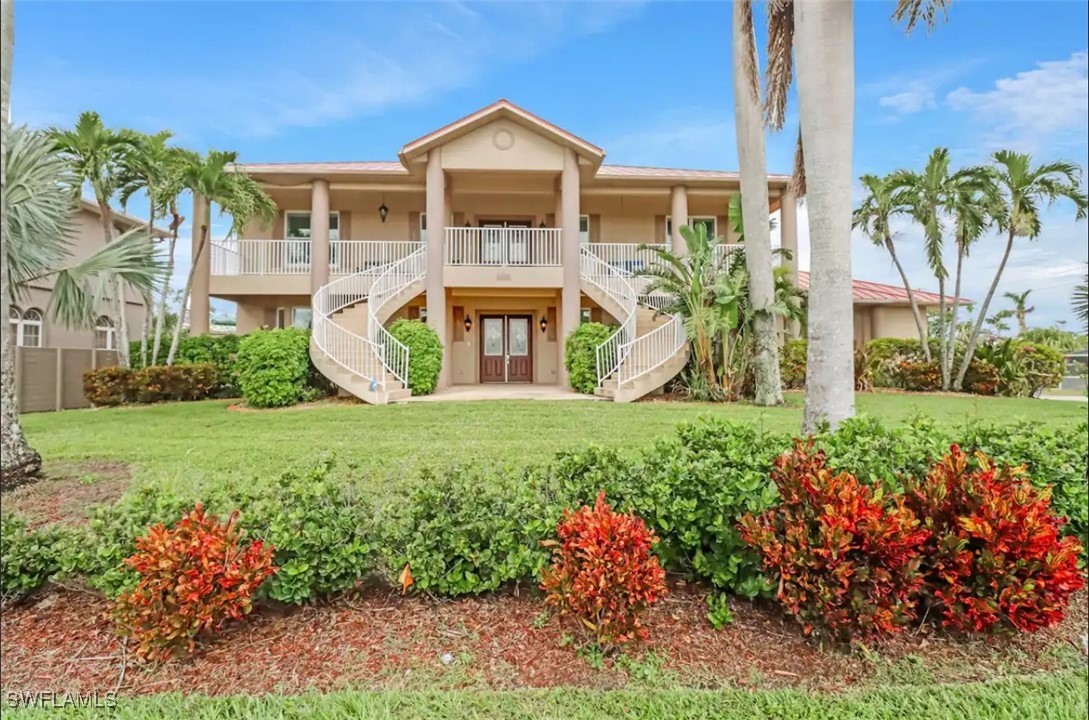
1067	398
499	391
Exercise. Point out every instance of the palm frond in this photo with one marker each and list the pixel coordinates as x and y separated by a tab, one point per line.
780	72
797	181
925	11
751	67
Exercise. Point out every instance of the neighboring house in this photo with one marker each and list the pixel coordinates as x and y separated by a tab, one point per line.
501	230
29	323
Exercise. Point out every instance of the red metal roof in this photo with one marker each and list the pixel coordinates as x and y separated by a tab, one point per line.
866	291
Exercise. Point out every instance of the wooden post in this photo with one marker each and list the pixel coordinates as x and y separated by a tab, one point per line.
59	396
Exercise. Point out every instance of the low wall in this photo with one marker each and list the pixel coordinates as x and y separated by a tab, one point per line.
52	378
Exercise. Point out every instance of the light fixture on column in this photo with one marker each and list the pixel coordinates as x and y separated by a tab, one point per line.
541	225
468	322
544	323
383	211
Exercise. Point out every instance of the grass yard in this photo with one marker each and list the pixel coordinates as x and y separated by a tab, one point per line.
1058	697
193	441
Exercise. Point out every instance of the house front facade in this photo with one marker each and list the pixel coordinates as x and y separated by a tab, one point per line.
500	230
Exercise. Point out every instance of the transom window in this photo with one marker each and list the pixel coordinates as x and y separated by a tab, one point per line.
25	327
710	222
105	336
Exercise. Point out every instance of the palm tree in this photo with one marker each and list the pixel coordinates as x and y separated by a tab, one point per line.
1080	300
210	180
37	225
874	217
821	32
694	285
1021	309
1023	188
95	153
754	193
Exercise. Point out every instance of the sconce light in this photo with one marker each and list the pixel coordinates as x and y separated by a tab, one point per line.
383	211
541	225
544	324
468	323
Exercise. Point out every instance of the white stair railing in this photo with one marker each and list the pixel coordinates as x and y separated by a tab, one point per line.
391	352
615	284
353	352
649	352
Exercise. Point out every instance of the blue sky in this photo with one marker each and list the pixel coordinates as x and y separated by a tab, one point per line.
648	82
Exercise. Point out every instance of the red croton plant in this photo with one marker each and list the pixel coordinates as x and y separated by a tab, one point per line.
604	573
846	558
995	558
193	577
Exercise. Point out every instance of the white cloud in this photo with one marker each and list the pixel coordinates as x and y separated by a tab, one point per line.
916	97
1048	104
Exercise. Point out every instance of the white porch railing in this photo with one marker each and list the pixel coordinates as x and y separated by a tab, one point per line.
391	352
723	251
352	256
260	257
510	246
630	257
649	352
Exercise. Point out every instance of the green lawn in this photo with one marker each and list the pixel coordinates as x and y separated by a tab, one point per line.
1060	697
193	441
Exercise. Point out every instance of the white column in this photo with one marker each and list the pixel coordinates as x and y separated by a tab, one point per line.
679	212
319	234
788	231
571	300
436	238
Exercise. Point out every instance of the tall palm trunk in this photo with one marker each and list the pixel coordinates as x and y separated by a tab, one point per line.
754	206
185	296
160	315
824	43
951	342
973	339
119	288
920	323
20	463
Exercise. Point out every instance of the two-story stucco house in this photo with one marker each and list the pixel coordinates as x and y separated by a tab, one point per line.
501	230
29	323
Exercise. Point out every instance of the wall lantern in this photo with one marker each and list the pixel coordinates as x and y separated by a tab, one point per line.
468	322
541	225
383	211
544	324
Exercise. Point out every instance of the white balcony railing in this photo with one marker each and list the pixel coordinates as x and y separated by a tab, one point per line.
631	257
260	257
352	256
511	246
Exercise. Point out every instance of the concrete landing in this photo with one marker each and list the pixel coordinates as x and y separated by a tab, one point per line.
499	391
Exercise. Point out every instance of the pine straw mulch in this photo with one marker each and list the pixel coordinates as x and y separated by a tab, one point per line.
68	491
64	640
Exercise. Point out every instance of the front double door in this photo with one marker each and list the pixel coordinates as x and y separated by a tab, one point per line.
506	349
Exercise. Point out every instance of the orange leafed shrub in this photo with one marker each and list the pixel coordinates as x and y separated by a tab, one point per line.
193	577
846	559
996	557
604	573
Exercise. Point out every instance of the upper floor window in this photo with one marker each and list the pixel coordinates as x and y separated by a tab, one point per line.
709	221
25	327
584	229
297	225
105	338
423	228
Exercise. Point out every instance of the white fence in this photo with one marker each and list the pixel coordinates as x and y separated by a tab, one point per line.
510	246
260	257
352	256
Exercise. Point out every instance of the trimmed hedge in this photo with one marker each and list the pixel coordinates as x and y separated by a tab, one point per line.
424	354
274	367
218	350
581	355
158	383
469	530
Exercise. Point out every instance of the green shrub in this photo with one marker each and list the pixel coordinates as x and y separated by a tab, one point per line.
160	383
881	455
468	531
108	386
581	355
273	367
424	354
29	558
1024	368
218	350
886	355
321	533
792	363
919	376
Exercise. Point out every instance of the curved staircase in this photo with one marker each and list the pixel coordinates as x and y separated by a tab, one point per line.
648	349
349	342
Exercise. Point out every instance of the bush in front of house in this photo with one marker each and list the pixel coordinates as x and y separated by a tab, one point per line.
159	383
424	354
995	557
191	579
1024	368
604	573
218	350
274	367
845	557
792	361
581	355
31	557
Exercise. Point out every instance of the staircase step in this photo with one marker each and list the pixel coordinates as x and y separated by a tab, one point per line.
398	395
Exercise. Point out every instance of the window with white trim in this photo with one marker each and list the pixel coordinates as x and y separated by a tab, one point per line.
423	228
297	225
708	221
15	317
584	229
105	338
300	317
25	327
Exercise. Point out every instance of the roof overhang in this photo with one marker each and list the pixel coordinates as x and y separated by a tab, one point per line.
418	149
